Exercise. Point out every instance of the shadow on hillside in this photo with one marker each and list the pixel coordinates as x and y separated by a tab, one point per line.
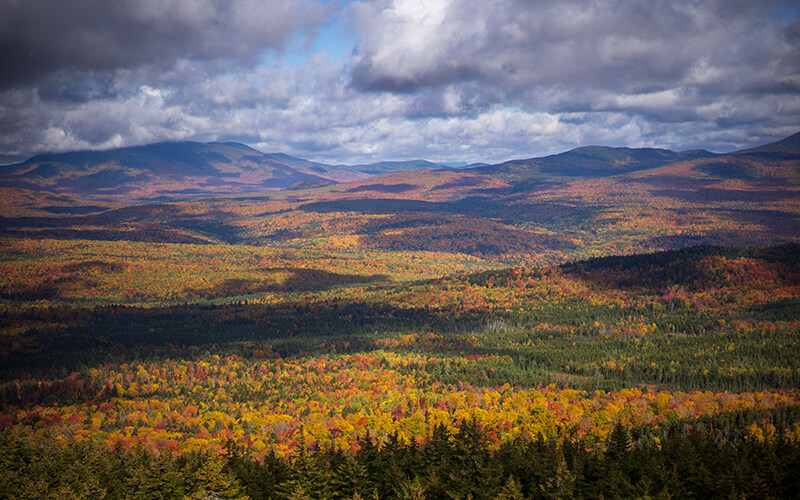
299	280
136	232
449	233
384	188
694	268
66	338
706	195
157	223
553	215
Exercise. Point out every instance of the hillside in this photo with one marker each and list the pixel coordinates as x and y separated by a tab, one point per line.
660	200
146	358
324	341
390	167
190	170
180	171
165	171
788	147
590	161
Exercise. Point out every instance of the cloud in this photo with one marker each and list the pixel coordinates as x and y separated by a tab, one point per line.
567	55
446	80
70	41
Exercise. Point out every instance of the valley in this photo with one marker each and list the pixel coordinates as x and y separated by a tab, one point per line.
566	326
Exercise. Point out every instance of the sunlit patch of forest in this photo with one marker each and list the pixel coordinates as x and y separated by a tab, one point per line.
353	373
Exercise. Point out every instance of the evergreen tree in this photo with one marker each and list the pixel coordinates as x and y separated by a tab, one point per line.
310	476
512	490
261	478
349	478
299	492
212	481
411	490
155	477
560	483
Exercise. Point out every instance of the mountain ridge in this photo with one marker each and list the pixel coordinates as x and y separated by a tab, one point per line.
170	171
789	146
166	170
591	161
619	200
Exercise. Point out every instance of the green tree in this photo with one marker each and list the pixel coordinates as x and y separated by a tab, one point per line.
512	490
411	490
213	482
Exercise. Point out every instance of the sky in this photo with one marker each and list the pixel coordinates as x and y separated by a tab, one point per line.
363	81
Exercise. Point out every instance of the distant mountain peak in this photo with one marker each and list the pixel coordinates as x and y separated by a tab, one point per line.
160	171
789	145
592	162
188	169
389	167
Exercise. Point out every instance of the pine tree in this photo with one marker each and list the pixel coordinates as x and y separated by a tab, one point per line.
261	478
614	480
350	478
155	477
310	476
512	490
411	490
618	444
299	493
560	484
214	482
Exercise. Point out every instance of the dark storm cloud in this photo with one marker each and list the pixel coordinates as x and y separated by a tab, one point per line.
65	40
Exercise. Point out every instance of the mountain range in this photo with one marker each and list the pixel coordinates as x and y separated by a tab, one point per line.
182	170
586	202
189	170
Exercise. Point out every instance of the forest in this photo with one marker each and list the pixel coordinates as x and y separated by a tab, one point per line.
604	323
169	370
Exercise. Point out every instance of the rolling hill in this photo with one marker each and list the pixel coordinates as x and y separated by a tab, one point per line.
191	170
165	171
389	167
591	161
587	202
788	148
182	170
402	325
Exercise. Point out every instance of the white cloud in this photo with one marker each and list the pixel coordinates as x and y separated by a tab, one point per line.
525	48
447	80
